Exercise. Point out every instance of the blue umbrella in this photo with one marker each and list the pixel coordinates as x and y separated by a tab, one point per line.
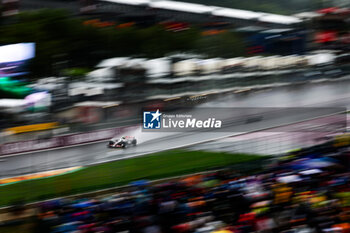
315	163
139	183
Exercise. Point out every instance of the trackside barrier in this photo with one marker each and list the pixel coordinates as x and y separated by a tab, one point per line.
32	128
62	141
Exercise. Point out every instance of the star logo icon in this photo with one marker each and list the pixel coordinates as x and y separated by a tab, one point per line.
152	119
156	115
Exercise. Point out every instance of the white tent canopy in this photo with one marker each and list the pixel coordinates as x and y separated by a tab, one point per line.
101	74
159	67
12	103
112	62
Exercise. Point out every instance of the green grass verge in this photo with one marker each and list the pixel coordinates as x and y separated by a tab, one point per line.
155	166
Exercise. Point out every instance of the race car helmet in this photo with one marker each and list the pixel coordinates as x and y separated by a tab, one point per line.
123	137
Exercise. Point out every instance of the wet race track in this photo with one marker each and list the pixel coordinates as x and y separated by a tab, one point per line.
334	94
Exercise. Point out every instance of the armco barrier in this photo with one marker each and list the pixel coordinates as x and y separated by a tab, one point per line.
62	141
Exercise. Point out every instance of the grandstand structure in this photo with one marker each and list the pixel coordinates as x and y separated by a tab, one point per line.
191	12
159	9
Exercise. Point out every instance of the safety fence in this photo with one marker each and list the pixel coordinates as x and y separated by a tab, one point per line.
61	141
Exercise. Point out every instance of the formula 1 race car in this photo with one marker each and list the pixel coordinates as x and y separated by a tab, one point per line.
122	142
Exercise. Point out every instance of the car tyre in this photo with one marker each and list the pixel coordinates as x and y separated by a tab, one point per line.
134	142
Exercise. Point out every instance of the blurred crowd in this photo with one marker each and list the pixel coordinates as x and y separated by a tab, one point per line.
304	192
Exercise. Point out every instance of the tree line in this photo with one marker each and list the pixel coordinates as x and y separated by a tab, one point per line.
63	41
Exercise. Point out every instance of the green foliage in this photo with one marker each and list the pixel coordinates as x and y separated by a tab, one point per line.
63	41
76	71
53	31
227	44
159	165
